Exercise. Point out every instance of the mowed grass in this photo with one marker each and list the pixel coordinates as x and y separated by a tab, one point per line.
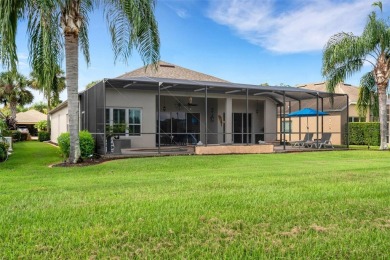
299	205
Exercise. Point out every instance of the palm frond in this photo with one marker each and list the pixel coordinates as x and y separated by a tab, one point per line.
368	96
132	25
10	12
343	55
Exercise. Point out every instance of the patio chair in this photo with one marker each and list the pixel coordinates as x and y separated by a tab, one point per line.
324	141
307	139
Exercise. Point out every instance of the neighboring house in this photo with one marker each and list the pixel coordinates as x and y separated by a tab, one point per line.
177	106
335	122
29	119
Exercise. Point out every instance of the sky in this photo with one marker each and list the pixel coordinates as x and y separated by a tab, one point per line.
243	41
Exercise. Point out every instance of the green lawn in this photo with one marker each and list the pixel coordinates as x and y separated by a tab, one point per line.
297	205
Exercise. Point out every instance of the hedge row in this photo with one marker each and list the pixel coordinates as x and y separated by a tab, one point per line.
364	133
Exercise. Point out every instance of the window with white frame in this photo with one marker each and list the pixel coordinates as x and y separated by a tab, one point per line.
123	121
134	121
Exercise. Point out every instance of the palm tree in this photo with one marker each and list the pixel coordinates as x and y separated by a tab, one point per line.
345	54
368	96
13	91
65	23
50	89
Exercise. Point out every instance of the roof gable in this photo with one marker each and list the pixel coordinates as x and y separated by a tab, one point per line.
171	71
30	117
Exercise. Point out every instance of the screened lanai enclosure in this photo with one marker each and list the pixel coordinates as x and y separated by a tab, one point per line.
160	113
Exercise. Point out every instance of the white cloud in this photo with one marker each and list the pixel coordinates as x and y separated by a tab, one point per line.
301	27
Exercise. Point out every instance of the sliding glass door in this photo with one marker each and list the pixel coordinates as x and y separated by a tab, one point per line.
240	128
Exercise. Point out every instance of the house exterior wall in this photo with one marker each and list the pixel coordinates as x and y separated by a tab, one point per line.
146	101
58	123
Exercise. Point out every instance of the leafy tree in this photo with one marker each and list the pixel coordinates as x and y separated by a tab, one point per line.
91	84
40	106
13	91
345	54
368	96
54	24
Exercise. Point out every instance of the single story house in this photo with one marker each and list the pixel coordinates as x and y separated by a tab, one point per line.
29	119
175	106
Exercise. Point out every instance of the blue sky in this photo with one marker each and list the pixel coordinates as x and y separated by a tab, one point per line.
245	41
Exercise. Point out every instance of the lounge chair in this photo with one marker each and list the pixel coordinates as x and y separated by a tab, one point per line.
307	139
324	141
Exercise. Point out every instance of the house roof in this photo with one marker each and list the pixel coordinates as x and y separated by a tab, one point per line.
170	71
59	107
30	117
341	88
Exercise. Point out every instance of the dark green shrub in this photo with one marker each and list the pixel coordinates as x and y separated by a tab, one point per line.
16	135
364	133
64	143
3	151
43	136
87	144
23	136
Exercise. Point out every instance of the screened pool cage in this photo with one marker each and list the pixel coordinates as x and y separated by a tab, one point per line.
156	113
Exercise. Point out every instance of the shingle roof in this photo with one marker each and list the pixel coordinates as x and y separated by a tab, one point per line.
339	102
171	71
30	117
341	88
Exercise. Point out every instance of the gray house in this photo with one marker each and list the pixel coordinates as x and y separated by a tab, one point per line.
175	106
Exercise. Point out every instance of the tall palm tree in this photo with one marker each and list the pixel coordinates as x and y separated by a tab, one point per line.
13	91
345	54
65	22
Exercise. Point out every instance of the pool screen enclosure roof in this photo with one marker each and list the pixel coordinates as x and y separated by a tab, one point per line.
276	93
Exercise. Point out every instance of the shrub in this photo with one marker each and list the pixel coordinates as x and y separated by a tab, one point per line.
87	144
41	126
43	136
16	135
3	151
364	133
64	143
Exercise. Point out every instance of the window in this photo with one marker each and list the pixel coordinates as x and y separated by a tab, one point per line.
286	126
123	121
134	122
356	119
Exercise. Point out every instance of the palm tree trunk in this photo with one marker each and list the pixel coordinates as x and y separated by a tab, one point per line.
12	107
71	51
383	114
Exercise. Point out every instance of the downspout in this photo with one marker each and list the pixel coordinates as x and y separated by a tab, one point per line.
104	117
347	127
300	128
247	118
317	119
284	120
206	118
322	117
159	117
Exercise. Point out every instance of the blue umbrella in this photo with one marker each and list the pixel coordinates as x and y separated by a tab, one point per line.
306	112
